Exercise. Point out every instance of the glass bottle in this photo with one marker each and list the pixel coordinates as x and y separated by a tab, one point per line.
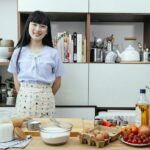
142	109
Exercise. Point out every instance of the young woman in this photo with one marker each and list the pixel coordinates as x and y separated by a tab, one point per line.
36	67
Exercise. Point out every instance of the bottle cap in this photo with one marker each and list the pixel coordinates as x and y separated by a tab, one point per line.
142	91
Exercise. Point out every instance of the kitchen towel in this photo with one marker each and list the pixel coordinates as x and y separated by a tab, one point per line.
16	143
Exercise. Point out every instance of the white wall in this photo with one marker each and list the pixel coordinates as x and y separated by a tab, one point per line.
8	19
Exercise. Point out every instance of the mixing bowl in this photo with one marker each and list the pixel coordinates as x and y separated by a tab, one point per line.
56	135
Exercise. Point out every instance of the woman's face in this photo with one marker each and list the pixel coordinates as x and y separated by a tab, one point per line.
37	31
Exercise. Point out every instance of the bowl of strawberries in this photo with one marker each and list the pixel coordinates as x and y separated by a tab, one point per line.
134	136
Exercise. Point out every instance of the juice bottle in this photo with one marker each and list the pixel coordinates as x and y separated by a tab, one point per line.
142	110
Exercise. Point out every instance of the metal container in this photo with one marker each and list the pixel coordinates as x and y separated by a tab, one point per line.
96	55
33	125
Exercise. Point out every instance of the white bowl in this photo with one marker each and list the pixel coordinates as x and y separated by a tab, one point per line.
6	52
55	135
7	43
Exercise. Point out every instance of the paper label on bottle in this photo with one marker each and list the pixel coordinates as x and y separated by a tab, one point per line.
138	117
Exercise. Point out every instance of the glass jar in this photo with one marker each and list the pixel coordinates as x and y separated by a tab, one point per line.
6	127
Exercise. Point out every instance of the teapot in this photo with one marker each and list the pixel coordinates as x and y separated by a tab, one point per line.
129	54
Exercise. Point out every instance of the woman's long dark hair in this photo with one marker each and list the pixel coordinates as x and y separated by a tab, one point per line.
40	18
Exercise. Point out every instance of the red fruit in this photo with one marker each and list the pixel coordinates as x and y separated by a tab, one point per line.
144	130
130	140
134	141
139	142
140	134
131	135
145	141
125	137
134	129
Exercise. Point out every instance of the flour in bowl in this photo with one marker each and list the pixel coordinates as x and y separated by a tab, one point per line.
54	135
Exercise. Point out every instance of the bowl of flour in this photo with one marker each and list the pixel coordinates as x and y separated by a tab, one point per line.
55	135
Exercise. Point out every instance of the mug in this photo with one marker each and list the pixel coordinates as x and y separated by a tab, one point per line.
10	100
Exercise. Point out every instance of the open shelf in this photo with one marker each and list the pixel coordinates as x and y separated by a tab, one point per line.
4	63
5	105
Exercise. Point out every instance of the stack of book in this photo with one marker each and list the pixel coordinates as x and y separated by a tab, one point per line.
72	47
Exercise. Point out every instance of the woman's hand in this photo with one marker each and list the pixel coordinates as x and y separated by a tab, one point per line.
56	85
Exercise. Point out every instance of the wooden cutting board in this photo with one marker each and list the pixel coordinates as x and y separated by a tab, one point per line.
77	126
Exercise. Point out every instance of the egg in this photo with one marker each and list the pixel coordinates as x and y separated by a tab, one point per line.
87	130
96	131
105	134
99	137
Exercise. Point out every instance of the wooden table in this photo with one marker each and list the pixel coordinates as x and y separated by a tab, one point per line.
74	144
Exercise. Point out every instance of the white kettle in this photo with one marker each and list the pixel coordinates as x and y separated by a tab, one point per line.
129	54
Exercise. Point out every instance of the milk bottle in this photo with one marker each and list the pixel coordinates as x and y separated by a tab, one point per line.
6	127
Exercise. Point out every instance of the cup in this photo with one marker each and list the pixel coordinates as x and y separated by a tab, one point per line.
10	100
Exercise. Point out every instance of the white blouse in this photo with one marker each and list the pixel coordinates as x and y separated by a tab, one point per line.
42	67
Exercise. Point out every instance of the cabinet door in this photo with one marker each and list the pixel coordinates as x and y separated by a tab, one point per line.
119	6
53	5
87	113
117	85
74	86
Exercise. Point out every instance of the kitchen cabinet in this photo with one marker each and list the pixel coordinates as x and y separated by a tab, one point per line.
53	5
117	85
118	6
74	86
84	112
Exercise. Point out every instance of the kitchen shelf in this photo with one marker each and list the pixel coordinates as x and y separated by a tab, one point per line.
125	62
134	62
4	63
57	18
5	105
119	17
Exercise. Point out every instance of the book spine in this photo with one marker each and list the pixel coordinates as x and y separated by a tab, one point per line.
84	49
71	47
74	46
79	48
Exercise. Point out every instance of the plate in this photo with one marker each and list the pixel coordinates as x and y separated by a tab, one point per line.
132	144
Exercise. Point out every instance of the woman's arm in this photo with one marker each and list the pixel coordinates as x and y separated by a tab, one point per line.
16	82
56	85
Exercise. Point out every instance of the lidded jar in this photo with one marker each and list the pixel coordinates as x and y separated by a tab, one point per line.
6	127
